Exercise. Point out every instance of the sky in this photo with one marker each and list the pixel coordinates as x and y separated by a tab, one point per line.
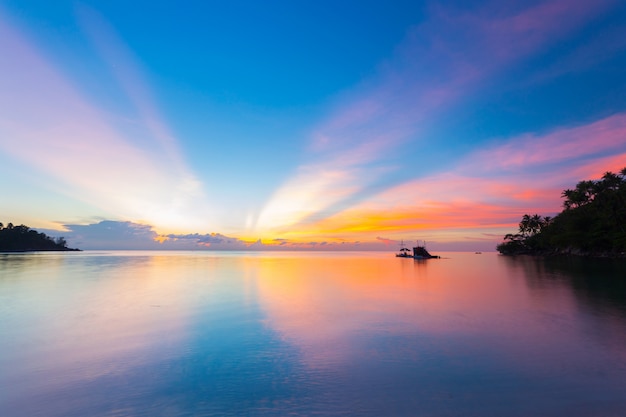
304	125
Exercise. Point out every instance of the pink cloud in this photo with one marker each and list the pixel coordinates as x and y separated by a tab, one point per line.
492	188
566	144
441	61
126	68
50	127
537	26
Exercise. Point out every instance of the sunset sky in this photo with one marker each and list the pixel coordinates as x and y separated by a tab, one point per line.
286	124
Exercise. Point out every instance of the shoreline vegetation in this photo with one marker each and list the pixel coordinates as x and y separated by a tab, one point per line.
24	239
592	223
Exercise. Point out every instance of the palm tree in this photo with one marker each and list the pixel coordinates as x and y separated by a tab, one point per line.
611	181
530	225
546	221
594	220
572	198
524	225
586	190
535	224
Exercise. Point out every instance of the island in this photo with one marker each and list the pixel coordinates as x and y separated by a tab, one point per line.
24	239
592	223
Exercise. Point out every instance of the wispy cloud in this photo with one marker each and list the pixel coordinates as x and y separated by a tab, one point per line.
453	54
489	189
127	70
601	138
47	123
484	196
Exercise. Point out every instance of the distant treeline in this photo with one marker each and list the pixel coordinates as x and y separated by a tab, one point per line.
22	238
593	222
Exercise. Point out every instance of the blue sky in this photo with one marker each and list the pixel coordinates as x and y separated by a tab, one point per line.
304	124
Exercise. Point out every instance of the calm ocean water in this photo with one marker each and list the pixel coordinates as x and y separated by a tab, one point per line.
301	334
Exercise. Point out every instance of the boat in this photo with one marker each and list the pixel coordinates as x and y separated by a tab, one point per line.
404	251
419	252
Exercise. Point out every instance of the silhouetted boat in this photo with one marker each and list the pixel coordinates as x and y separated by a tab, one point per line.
404	251
419	252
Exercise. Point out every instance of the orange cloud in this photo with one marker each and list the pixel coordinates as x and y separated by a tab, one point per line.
371	123
482	195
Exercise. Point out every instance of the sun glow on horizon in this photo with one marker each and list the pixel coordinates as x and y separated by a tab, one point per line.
450	128
79	146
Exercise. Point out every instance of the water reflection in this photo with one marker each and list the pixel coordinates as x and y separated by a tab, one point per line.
596	287
72	320
467	325
145	333
599	282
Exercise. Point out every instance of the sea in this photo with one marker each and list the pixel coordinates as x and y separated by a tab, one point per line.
132	333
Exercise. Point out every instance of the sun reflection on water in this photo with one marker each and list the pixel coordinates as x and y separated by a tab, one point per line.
263	333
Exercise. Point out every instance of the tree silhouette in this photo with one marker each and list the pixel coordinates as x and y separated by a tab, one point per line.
22	238
593	222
